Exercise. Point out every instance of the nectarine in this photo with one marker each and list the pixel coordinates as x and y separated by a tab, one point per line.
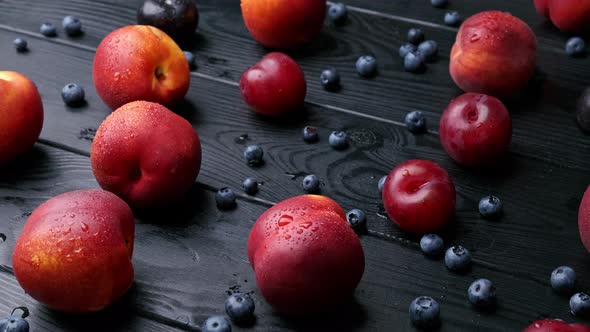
74	252
283	24
584	219
21	115
567	15
305	255
146	154
140	62
494	53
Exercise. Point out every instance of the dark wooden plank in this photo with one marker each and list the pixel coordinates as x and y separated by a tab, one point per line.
350	176
187	262
542	119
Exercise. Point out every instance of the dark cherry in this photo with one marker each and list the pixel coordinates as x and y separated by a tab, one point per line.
178	18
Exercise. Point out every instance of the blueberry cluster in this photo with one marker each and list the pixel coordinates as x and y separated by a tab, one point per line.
239	307
417	51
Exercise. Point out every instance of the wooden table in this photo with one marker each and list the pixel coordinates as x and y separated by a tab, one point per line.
188	259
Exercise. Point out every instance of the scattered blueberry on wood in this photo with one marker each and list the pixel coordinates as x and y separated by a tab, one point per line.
415	36
48	30
425	312
338	140
575	47
563	280
190	58
225	198
337	13
72	25
73	95
310	134
405	49
330	79
240	308
439	3
21	45
452	18
415	122
254	155
490	207
428	50
457	259
413	62
311	184
482	293
432	245
366	66
580	305
216	324
357	220
250	186
15	323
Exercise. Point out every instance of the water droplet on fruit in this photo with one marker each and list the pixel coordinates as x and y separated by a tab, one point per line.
315	229
406	172
474	37
116	76
287	237
537	325
285	220
299	231
77	251
306	224
67	231
84	227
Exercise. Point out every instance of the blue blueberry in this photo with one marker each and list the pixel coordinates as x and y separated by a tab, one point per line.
575	46
457	258
14	324
482	293
311	184
357	219
405	49
413	62
416	122
20	44
439	3
216	324
72	94
452	18
48	30
72	25
310	134
190	58
254	155
580	305
337	13
490	207
563	279
428	50
338	140
415	36
330	79
250	186
240	308
381	183
225	198
425	312
366	66
432	245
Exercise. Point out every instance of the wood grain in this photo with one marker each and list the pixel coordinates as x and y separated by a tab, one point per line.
543	117
546	220
186	264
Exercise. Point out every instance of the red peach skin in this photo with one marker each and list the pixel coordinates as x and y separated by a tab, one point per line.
305	256
555	325
283	24
494	53
584	219
146	154
140	62
21	115
567	15
74	252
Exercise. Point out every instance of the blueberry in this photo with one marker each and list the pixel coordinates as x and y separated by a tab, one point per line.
310	134
428	50
432	245
14	324
311	184
482	293
416	122
413	62
490	207
381	183
452	18
425	312
439	3
240	308
190	58
405	49
338	140
216	324
457	258
225	198
580	304
415	36
366	66
330	79
48	30
250	186
253	155
72	94
357	219
20	44
72	25
338	13
563	279
575	46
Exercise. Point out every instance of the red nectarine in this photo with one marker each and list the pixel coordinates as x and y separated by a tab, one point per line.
494	53
584	219
74	252
567	15
305	255
21	115
140	62
146	154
